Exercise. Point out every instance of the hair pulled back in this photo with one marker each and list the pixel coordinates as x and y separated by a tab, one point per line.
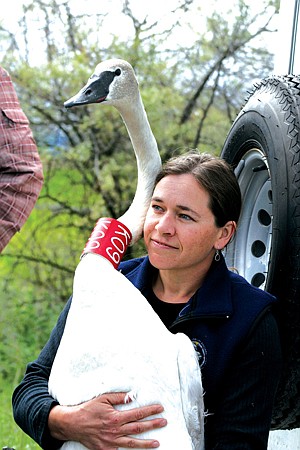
213	174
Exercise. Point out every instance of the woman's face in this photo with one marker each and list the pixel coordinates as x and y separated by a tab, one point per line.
180	231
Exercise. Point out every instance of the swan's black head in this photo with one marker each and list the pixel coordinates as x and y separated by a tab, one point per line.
95	91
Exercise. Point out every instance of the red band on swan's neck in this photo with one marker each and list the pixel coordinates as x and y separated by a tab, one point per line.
110	238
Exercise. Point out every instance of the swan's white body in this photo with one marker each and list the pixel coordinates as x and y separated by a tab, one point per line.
113	340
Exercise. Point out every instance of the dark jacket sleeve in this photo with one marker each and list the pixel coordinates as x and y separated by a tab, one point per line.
242	420
31	400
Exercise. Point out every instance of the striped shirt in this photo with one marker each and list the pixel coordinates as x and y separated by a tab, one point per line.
21	175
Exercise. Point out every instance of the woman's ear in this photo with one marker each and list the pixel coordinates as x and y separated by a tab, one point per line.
226	233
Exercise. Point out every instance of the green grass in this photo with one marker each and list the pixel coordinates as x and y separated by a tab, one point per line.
11	435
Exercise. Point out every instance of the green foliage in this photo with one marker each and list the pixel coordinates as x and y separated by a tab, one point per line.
11	434
191	99
27	317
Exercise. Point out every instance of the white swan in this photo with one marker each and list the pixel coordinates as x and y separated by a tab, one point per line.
113	340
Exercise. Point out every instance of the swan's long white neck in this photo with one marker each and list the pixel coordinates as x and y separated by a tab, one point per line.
148	163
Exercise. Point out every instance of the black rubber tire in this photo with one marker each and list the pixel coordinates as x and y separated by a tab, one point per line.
263	145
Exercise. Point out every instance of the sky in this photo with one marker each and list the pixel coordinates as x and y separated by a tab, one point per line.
158	9
115	23
283	41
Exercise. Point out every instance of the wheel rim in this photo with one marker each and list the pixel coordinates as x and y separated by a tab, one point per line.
249	252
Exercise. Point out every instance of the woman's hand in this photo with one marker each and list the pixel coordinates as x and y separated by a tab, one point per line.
99	426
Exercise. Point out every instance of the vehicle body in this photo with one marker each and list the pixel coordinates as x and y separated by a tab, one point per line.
263	146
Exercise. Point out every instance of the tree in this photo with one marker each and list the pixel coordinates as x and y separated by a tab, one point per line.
192	93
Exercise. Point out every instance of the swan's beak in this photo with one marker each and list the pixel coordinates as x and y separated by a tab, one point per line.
95	91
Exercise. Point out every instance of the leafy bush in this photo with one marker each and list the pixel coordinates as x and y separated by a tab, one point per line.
11	434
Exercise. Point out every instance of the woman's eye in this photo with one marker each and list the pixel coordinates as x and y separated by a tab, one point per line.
157	208
185	217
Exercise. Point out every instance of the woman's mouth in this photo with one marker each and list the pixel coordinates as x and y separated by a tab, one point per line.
162	245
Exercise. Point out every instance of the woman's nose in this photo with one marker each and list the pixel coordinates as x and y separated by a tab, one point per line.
165	225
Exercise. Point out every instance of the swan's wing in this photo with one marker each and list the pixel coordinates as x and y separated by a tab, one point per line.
191	391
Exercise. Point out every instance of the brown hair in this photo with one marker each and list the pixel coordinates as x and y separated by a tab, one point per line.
216	176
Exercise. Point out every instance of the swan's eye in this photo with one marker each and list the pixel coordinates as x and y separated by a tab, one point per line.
118	72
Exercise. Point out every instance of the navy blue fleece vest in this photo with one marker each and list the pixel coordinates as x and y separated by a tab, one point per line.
218	318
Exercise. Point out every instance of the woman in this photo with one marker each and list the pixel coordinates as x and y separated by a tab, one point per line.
193	215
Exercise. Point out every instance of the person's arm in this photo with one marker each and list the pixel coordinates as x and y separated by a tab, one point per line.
31	400
21	175
243	419
95	423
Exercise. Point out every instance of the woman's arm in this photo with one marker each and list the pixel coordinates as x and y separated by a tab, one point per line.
95	423
243	419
